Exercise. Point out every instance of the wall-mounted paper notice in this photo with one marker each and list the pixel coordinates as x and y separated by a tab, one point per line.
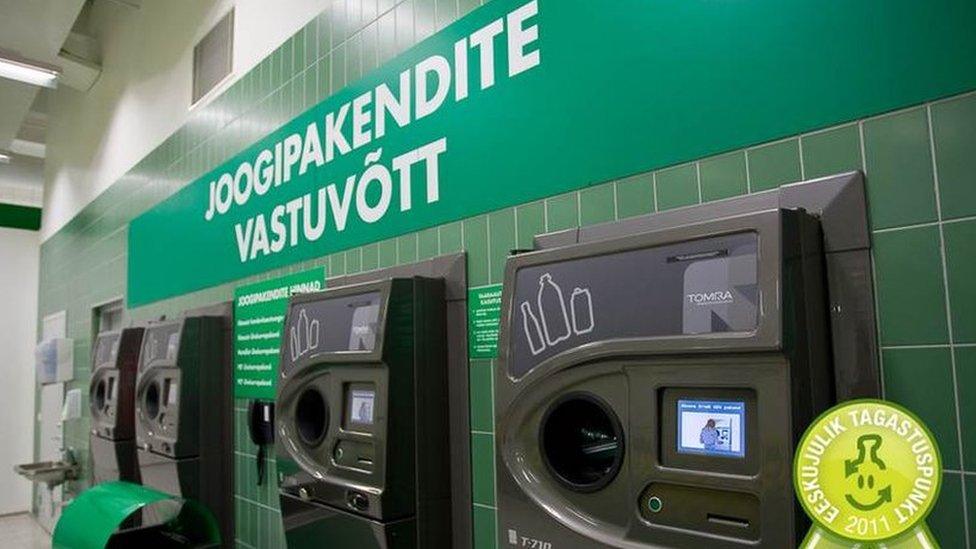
72	405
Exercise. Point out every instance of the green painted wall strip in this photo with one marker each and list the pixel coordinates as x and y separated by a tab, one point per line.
20	217
619	88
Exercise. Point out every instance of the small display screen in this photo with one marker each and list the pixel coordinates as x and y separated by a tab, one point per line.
361	403
712	427
172	392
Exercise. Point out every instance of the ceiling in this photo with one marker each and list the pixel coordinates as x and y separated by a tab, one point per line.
35	30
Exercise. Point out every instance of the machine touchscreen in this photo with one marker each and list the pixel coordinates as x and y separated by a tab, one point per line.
361	404
711	428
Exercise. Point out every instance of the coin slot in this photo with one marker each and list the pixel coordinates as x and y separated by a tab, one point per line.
354	454
728	521
708	510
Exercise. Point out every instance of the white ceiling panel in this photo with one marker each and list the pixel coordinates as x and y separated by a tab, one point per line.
34	29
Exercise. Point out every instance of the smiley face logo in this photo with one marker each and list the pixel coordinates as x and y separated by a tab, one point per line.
867	472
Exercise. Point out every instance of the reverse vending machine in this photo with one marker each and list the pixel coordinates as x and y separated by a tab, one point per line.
650	388
362	417
115	359
184	412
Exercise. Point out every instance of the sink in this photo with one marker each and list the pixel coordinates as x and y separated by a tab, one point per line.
51	473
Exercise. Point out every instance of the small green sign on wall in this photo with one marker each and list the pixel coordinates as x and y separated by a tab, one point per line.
259	317
484	314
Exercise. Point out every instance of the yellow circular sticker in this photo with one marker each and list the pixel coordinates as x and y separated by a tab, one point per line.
867	470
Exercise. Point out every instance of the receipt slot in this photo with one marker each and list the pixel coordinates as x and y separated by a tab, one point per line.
362	417
184	412
112	400
650	388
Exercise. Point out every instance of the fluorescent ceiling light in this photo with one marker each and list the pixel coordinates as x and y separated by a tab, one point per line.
31	73
4	158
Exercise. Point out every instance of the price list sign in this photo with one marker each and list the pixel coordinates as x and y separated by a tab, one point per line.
259	316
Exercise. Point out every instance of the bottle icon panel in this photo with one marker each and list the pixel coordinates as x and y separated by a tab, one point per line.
552	311
554	320
303	336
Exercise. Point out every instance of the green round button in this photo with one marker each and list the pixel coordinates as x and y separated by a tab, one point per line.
654	503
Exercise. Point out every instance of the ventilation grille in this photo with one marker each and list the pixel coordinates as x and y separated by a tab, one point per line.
213	57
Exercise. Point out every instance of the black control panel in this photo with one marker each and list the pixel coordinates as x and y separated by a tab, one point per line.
362	416
650	388
184	412
111	392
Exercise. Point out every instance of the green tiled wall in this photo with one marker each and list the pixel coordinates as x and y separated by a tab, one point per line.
921	173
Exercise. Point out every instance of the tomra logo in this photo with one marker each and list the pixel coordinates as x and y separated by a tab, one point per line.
711	298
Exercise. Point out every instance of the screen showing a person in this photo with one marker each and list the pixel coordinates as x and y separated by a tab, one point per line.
712	427
361	404
172	392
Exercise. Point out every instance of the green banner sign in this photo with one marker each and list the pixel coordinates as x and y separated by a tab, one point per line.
484	315
526	99
259	316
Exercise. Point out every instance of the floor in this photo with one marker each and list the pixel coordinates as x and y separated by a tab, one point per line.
22	532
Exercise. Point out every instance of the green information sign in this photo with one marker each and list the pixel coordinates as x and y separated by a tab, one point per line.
259	316
525	99
484	314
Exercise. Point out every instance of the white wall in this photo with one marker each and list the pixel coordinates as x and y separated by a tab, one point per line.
19	252
21	181
143	94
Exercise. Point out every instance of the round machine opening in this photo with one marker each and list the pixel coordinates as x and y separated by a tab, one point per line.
151	400
582	442
99	397
311	417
